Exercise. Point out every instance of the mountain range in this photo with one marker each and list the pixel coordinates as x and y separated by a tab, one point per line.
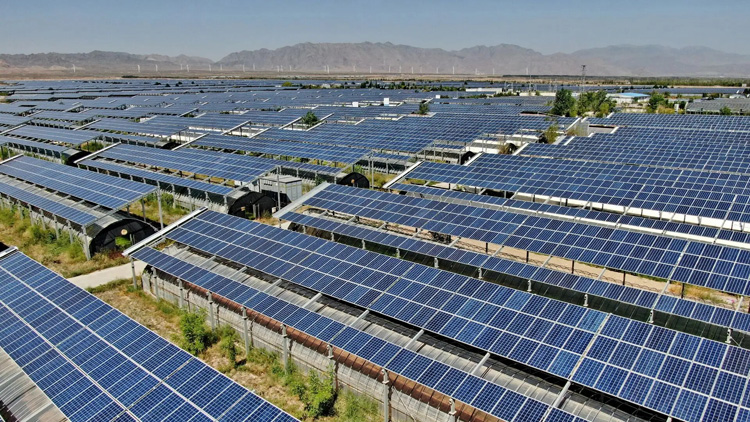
379	58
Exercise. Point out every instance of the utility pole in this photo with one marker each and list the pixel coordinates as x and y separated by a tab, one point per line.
209	67
74	68
243	68
253	67
187	66
156	66
139	68
454	70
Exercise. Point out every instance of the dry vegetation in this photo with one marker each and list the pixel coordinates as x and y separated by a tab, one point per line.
170	211
259	371
41	244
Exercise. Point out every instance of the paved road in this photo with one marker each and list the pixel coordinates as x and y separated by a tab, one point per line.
98	278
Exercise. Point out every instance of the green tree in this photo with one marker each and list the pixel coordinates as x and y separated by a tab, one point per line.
310	119
550	134
564	104
424	108
655	101
287	84
725	111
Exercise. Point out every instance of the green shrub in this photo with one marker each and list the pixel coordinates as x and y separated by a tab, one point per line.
122	243
228	342
320	395
196	336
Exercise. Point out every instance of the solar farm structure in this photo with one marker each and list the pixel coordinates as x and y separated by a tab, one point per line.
67	355
90	207
229	183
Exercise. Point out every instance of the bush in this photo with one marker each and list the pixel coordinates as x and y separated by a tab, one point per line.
228	343
320	395
196	337
122	243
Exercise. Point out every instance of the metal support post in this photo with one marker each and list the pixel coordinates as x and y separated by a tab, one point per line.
453	413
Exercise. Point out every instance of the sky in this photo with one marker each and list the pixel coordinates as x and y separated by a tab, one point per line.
215	28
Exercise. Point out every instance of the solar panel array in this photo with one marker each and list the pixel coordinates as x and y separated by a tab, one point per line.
718	267
671	372
284	148
200	231
62	136
729	161
645	299
241	168
676	121
95	363
106	191
720	196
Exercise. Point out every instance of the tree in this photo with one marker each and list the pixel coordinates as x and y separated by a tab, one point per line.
196	336
656	101
595	101
287	84
310	119
564	104
424	108
725	111
550	134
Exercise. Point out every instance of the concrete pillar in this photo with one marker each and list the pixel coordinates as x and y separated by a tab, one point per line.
285	346
528	285
363	244
398	253
143	209
158	202
211	310
244	332
481	274
333	366
333	237
586	300
386	396
453	413
436	262
132	270
182	294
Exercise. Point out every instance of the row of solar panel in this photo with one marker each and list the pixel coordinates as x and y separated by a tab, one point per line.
470	389
642	298
95	363
714	266
538	332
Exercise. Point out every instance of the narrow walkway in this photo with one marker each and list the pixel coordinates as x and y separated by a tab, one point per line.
97	278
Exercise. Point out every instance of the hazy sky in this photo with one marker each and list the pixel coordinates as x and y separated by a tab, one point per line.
214	28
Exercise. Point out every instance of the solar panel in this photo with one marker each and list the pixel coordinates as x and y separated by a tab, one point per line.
538	332
240	168
71	137
49	203
106	191
490	398
284	148
155	178
510	265
709	265
94	363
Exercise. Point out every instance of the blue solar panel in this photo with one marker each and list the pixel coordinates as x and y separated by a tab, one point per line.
107	191
98	363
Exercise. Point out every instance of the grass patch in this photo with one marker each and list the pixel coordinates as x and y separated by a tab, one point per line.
170	211
109	286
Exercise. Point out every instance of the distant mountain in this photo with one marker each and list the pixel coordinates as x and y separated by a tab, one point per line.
360	58
621	60
98	61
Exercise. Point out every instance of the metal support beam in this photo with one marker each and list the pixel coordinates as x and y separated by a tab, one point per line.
480	364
